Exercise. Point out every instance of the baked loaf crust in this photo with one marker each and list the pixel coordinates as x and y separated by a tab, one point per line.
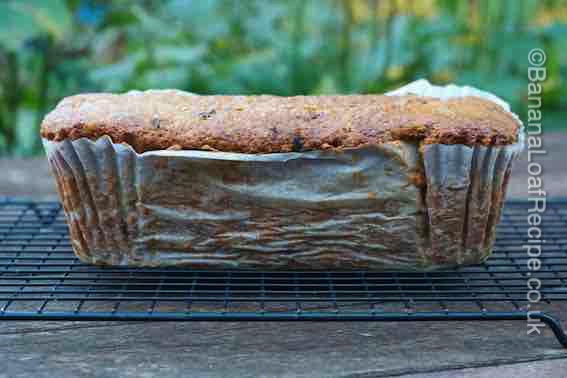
170	119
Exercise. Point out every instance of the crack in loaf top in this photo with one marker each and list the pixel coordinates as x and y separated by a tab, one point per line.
170	119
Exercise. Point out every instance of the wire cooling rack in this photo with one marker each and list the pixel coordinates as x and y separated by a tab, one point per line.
40	278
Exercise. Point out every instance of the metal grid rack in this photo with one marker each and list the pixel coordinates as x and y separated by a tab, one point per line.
40	278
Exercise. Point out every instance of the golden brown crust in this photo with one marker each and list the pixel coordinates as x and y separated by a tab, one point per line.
169	119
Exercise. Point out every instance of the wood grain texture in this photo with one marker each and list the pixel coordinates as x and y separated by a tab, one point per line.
263	349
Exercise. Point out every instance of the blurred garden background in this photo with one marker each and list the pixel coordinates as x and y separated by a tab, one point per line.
50	49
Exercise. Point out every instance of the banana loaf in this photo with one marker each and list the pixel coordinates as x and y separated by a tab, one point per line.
415	179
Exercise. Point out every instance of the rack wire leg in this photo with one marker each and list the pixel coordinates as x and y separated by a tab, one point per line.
554	325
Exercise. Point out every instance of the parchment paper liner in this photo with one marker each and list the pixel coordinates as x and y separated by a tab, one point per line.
354	209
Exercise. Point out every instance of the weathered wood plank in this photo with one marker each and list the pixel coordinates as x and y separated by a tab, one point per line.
553	368
263	349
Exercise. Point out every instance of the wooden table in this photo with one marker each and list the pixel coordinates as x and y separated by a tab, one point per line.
74	349
71	349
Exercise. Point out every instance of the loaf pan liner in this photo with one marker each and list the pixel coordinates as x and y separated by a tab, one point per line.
400	205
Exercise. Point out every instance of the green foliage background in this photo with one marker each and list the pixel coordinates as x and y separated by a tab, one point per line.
50	49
